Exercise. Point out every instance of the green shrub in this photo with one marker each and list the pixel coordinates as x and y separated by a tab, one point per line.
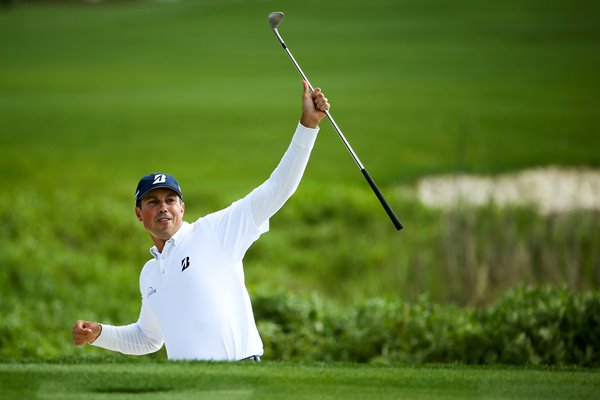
542	325
66	257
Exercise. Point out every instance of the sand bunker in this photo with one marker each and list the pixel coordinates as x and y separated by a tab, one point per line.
551	189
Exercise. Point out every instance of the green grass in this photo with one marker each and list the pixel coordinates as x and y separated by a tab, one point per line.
283	381
93	96
203	90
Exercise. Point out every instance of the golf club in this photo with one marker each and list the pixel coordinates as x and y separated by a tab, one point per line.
275	19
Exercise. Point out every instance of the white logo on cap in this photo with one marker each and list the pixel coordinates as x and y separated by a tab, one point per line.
159	178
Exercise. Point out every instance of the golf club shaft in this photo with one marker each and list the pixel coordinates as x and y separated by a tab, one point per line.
335	126
374	187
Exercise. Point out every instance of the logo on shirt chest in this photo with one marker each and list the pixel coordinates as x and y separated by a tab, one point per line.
185	263
150	292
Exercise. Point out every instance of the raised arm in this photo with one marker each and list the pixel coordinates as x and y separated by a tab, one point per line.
272	194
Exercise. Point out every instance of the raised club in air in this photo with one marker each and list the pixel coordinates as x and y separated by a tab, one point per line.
275	19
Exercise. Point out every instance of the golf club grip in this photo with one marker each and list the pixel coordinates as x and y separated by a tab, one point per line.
384	203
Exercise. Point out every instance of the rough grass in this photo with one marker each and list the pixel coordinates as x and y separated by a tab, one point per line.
97	379
93	96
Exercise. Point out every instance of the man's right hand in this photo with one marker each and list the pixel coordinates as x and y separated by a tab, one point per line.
85	332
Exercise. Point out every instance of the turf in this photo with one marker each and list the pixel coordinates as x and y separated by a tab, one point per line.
105	93
273	380
94	95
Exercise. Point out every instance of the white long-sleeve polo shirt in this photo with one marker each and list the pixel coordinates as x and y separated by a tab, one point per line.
194	298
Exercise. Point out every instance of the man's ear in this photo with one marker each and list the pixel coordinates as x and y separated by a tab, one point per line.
138	214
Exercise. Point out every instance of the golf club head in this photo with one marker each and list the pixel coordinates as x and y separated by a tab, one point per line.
275	19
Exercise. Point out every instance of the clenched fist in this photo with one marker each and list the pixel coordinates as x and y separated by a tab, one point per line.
85	332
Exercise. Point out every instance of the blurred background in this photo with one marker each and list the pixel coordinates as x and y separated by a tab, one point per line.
96	94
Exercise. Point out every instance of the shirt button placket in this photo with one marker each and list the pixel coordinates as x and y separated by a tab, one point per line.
164	259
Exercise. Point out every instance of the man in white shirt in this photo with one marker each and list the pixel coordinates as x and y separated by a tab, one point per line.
194	299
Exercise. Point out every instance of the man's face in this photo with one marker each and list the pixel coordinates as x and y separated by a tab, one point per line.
161	212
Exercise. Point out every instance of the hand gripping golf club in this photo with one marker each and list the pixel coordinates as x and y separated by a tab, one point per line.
275	19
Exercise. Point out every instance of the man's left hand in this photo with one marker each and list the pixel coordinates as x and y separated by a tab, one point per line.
313	106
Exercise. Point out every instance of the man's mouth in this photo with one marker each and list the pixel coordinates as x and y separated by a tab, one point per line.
163	219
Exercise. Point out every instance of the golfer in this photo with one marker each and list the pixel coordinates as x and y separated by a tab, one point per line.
194	299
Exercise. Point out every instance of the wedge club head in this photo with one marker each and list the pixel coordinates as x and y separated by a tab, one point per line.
275	19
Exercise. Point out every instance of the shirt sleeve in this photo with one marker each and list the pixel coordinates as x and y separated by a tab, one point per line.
142	337
239	225
269	197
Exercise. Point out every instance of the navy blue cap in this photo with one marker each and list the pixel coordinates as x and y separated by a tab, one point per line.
155	181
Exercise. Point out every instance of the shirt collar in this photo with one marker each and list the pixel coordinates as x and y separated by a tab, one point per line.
177	237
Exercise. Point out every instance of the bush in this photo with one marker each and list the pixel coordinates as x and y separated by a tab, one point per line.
542	325
67	256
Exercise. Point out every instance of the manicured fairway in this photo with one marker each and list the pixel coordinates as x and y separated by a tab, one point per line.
419	87
270	380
